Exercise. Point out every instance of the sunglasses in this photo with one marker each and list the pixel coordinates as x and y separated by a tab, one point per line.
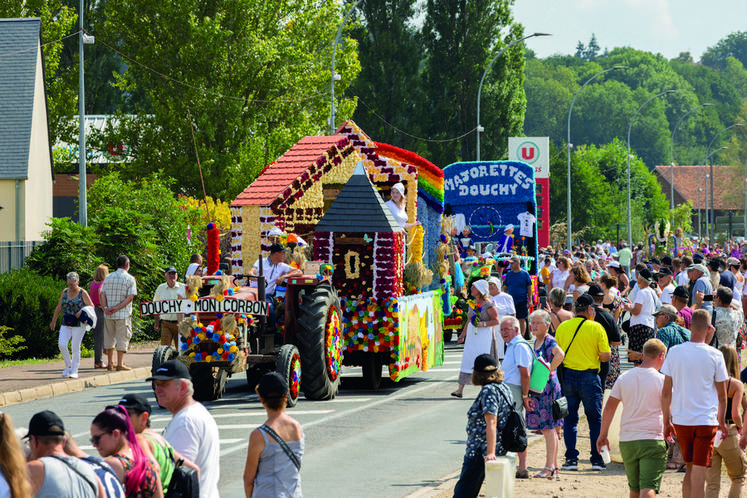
95	439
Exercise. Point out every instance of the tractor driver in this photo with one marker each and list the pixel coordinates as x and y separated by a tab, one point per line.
275	271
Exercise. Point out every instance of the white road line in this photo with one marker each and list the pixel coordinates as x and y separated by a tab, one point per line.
262	413
345	413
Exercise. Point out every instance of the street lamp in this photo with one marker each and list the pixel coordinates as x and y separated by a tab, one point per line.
708	221
630	128
479	128
568	222
335	76
671	154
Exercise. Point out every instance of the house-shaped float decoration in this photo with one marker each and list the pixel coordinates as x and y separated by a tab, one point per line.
359	236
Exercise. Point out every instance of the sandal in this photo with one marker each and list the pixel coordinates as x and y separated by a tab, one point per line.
556	473
545	473
456	394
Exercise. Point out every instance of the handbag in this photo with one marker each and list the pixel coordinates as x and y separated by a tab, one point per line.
559	408
70	320
514	433
561	368
540	373
184	480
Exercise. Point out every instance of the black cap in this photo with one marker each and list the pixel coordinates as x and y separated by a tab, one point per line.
135	402
170	269
272	385
595	290
714	264
697	258
274	248
654	261
681	292
584	301
172	369
645	274
46	423
485	363
665	271
666	260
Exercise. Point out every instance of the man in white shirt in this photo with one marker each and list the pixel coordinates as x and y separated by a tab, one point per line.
274	269
693	401
642	445
192	431
665	277
517	371
168	323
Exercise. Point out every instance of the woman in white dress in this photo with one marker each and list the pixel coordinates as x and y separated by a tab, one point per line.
397	204
478	335
560	275
504	303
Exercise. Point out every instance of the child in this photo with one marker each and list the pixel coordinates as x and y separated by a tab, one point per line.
465	241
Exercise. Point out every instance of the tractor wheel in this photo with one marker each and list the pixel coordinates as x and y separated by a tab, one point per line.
161	355
289	366
209	382
319	336
372	364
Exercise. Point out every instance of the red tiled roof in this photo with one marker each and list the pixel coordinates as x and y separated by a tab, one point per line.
276	177
688	178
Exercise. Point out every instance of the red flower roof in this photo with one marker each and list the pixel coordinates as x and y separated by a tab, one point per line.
276	177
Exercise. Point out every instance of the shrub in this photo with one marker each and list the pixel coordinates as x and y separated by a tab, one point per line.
28	301
8	345
67	247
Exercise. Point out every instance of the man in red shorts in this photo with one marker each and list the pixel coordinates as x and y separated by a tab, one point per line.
693	401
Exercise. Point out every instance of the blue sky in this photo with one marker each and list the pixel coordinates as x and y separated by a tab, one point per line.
660	26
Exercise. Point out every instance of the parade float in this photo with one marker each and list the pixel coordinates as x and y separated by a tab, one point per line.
382	319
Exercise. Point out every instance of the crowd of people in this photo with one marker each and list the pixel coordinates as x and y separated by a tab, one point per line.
679	324
137	462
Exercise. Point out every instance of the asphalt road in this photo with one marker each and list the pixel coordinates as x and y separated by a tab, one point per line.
385	443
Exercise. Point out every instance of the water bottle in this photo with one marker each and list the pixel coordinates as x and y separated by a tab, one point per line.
605	452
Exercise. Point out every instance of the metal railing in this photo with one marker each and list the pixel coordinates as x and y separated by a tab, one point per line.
13	254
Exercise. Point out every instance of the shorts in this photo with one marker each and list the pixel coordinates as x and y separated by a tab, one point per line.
118	332
522	309
645	461
696	443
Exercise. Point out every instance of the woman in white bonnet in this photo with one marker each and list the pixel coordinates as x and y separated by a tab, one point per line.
397	204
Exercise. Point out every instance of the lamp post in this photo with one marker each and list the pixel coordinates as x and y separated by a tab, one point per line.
708	221
336	76
630	128
568	221
671	154
479	129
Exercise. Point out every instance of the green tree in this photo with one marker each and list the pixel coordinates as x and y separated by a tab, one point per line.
248	77
734	45
57	21
390	58
460	39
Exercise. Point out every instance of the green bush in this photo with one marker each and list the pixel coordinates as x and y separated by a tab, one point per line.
28	301
67	247
9	345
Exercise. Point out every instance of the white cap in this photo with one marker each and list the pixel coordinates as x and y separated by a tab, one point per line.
399	188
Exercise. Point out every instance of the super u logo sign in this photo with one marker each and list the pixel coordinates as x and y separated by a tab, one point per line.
531	150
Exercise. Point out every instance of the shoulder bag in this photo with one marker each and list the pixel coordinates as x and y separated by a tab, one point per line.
540	373
184	480
283	445
560	405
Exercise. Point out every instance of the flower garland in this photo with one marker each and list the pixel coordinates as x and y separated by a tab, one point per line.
333	335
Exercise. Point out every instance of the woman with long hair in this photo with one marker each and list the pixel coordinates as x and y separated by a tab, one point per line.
478	334
115	439
14	481
578	278
642	321
729	451
98	331
540	418
272	471
72	300
486	419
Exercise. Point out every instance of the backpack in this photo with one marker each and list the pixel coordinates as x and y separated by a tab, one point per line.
514	433
184	481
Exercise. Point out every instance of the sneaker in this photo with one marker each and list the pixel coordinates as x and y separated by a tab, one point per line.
570	465
66	372
598	466
73	375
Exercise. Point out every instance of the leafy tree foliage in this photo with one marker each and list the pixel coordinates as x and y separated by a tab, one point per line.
390	56
734	45
460	41
588	52
248	77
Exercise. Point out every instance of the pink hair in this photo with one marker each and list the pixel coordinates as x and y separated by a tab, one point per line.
118	418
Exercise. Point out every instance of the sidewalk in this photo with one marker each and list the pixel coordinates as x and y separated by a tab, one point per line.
20	383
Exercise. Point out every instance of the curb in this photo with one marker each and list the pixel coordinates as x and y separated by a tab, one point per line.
72	385
449	481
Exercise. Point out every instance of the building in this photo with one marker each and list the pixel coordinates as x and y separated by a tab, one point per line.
26	167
